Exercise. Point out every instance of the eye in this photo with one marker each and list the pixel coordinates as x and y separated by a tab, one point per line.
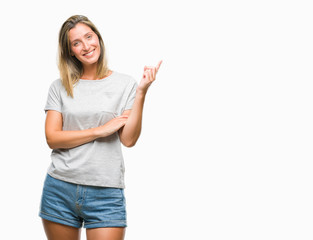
89	36
75	44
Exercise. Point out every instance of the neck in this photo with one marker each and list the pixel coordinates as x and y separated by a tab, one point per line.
89	72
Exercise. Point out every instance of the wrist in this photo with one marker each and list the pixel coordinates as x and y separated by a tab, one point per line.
95	132
141	92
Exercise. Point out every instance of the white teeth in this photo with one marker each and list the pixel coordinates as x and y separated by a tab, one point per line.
88	54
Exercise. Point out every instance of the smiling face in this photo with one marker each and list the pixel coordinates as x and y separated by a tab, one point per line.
84	44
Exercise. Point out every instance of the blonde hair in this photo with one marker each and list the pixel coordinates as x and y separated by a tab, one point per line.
71	69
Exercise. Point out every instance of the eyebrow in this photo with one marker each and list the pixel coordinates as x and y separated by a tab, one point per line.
78	39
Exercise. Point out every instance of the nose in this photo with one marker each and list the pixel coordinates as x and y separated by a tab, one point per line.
86	45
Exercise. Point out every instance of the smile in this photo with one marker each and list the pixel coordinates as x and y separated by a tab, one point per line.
89	54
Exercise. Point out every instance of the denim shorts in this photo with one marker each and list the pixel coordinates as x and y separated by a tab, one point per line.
81	205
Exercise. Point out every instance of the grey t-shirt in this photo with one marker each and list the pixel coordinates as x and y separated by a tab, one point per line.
95	102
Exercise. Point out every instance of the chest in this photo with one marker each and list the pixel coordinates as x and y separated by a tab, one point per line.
92	100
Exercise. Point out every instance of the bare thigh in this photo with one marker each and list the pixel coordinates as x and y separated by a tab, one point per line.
115	233
57	231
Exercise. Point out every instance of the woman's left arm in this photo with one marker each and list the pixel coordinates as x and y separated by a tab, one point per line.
130	133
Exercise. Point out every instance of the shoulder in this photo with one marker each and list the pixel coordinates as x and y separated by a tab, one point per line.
57	83
56	87
124	78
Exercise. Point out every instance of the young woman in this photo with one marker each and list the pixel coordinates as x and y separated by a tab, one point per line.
90	111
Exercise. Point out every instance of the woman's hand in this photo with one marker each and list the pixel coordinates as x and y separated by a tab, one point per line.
111	126
148	77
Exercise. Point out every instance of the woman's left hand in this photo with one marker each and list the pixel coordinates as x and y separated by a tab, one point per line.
148	77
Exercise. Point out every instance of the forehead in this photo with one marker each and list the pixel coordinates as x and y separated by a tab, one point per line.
78	31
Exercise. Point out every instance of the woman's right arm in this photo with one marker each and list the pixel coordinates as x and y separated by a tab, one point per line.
57	138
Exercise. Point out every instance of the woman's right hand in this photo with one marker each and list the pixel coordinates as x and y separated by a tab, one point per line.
111	126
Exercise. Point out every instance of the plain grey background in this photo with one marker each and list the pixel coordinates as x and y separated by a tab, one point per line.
226	147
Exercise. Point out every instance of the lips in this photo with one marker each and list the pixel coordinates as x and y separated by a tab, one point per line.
89	53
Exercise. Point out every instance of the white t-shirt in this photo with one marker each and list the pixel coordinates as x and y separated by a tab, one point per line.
99	162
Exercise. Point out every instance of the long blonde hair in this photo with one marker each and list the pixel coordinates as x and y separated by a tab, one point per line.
71	69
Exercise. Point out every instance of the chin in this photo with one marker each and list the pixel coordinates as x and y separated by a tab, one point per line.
90	62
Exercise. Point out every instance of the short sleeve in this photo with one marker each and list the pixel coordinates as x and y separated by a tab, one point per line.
131	95
54	98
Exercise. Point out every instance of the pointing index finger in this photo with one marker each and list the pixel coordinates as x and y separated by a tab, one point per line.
158	66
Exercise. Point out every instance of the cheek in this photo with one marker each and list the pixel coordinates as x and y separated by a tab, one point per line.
96	43
98	47
75	51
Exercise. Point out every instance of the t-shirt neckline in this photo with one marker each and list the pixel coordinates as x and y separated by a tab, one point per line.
97	80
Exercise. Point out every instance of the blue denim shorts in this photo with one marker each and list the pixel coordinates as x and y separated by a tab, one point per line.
81	205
